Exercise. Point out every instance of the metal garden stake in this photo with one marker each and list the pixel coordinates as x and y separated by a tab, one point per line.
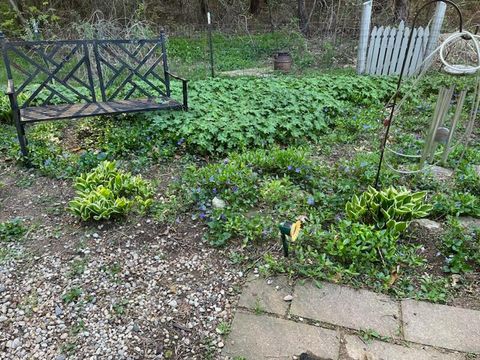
210	42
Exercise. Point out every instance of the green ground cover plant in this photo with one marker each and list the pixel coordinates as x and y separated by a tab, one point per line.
235	114
254	152
241	113
12	230
461	247
108	192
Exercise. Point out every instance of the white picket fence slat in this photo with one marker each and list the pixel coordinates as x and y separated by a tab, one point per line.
387	50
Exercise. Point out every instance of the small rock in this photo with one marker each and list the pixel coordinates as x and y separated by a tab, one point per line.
173	303
427	224
58	311
220	344
441	174
218	203
3	318
288	298
60	357
16	343
469	222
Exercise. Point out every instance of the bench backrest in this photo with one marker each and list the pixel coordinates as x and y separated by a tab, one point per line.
85	71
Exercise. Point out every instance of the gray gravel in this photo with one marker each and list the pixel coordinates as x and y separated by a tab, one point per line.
138	297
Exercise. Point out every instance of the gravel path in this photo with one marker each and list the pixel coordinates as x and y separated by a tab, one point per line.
121	291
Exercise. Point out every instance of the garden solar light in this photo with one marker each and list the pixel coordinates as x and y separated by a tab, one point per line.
289	229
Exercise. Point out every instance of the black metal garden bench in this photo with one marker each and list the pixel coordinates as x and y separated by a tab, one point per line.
69	79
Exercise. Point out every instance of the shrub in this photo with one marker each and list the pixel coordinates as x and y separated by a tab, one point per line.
389	209
107	191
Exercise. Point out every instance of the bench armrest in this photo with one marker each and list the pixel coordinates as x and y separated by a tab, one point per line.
177	77
184	89
10	89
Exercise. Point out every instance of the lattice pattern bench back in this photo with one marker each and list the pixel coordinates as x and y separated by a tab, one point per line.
86	71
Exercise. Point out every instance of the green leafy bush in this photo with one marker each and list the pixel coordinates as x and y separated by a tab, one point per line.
389	209
107	191
461	248
258	188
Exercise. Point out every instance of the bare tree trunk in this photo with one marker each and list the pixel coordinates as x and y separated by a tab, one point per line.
303	17
18	12
401	10
203	10
270	15
255	7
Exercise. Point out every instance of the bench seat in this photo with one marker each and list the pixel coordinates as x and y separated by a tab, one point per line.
71	111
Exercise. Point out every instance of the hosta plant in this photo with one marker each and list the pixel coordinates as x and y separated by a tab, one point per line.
107	191
391	209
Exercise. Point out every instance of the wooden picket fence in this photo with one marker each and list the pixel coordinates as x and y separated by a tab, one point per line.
388	48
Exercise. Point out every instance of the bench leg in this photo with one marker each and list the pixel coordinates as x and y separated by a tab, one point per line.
185	95
22	140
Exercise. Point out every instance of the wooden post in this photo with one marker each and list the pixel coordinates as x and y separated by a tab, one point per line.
435	30
364	34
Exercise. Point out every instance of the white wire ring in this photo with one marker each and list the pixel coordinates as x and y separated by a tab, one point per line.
476	41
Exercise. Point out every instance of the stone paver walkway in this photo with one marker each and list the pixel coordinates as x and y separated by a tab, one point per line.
278	320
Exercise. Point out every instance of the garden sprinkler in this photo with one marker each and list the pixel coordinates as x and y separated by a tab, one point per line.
289	229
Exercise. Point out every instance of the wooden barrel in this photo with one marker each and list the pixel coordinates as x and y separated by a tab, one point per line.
282	61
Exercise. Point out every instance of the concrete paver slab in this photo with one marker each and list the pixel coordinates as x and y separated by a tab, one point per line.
266	296
257	337
356	349
440	325
344	306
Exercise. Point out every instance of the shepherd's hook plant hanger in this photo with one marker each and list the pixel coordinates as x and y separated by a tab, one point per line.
400	78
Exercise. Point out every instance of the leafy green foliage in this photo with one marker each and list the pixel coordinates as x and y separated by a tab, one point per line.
389	209
12	230
108	191
233	114
461	248
350	250
258	187
455	204
467	179
72	295
433	288
359	246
